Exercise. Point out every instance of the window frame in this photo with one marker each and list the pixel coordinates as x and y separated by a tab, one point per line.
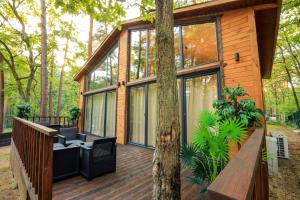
91	95
113	47
180	24
182	78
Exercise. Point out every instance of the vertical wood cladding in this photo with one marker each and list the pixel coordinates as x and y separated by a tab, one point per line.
122	90
81	103
239	36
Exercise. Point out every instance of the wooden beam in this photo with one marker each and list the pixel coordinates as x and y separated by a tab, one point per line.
265	6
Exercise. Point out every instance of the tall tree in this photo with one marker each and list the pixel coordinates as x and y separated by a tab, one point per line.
50	111
90	40
62	76
1	94
166	161
44	71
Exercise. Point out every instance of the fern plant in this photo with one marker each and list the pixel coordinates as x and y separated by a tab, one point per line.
208	153
231	107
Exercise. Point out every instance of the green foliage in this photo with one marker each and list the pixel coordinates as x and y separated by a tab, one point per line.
207	155
230	107
23	110
74	113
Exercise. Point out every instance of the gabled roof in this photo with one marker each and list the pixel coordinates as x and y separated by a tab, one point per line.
267	27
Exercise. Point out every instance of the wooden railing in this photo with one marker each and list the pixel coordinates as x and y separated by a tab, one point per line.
54	120
32	147
246	175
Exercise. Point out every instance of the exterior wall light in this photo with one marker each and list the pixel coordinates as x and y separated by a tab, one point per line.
237	57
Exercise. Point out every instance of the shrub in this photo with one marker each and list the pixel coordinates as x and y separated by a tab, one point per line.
23	110
74	113
208	153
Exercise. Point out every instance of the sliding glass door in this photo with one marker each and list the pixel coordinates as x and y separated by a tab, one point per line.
100	114
200	92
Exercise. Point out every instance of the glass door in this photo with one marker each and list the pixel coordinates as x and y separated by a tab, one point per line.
199	94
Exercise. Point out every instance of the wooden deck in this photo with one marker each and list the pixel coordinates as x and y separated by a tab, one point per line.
132	180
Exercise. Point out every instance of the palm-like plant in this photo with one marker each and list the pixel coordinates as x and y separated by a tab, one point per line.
207	155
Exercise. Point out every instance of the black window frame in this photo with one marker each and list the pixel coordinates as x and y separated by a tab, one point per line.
113	47
105	112
215	20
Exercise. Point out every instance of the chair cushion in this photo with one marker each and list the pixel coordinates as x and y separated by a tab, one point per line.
75	142
57	146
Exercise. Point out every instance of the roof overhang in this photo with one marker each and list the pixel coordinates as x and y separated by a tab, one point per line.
269	9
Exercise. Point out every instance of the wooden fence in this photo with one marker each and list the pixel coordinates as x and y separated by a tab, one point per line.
54	120
246	175
32	157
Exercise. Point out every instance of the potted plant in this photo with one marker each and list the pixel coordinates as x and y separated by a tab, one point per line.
23	110
74	114
208	153
232	106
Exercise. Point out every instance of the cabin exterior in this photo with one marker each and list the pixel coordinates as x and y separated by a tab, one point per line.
217	43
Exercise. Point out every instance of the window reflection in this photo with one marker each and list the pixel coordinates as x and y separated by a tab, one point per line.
138	54
177	46
199	44
151	53
105	72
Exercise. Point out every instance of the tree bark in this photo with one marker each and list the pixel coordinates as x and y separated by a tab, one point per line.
1	95
166	159
62	76
90	41
44	72
50	111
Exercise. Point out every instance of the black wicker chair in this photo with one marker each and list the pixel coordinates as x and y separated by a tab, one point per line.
65	161
98	159
70	136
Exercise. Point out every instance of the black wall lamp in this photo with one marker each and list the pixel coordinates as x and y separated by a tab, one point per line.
123	82
237	57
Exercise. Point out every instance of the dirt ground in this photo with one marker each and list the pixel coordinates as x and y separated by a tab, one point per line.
286	185
8	188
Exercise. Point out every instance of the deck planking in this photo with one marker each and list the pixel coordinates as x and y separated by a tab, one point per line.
132	180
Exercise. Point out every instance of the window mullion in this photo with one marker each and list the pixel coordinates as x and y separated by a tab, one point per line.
147	52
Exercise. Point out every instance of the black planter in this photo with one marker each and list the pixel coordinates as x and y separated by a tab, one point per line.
5	139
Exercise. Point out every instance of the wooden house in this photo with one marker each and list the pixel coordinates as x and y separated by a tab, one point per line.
217	43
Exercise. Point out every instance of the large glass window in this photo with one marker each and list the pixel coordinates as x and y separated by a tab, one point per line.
100	114
137	115
87	113
194	45
199	93
138	54
199	44
105	73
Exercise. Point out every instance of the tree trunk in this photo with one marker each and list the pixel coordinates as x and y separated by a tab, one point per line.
289	78
44	75
90	41
62	77
50	111
1	95
166	159
294	56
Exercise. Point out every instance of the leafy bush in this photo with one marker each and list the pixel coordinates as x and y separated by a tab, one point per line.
74	113
23	110
230	107
208	153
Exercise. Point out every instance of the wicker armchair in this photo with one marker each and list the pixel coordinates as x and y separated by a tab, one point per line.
98	159
65	161
70	136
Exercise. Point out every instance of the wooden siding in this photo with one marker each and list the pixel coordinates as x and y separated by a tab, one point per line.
238	32
81	103
132	180
122	90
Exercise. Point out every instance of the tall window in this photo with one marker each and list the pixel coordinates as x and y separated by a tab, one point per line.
105	73
194	45
100	114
